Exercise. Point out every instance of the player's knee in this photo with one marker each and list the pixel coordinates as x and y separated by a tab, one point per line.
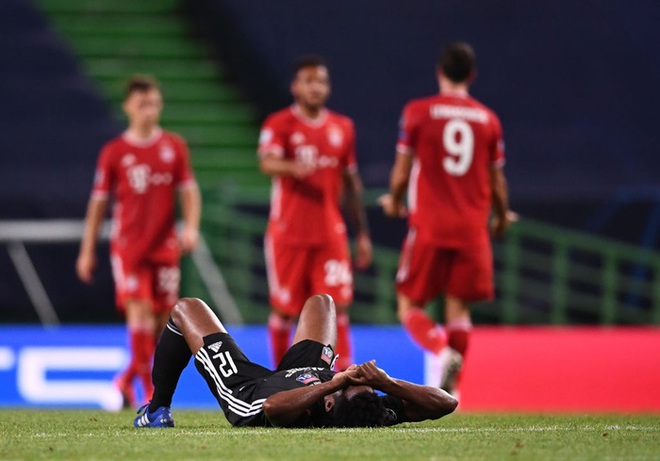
323	301
184	307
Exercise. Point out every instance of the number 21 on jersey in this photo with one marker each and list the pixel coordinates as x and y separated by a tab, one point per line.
227	366
458	142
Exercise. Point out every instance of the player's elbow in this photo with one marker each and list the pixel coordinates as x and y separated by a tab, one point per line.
442	405
451	404
446	404
273	413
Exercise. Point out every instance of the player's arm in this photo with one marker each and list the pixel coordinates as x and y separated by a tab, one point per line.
419	402
86	262
502	216
191	210
392	203
272	164
284	408
358	217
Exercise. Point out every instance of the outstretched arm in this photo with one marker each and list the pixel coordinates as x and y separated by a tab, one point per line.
419	402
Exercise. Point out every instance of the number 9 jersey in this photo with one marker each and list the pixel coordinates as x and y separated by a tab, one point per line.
455	141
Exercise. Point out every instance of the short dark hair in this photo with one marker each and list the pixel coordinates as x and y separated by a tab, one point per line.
308	60
457	61
365	409
141	83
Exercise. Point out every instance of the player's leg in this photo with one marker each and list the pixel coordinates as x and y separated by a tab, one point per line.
286	280
167	282
419	279
471	279
331	273
458	323
318	321
190	322
141	328
344	347
162	290
458	326
133	294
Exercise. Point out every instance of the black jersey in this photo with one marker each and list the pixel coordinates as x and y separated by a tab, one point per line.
241	386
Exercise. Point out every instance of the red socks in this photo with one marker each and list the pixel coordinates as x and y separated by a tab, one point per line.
458	333
344	343
424	331
279	331
143	344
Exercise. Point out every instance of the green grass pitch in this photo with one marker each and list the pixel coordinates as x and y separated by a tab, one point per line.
87	435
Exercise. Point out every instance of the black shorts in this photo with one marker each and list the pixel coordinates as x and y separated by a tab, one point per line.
234	379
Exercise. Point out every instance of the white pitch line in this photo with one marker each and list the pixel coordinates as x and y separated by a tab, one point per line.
179	432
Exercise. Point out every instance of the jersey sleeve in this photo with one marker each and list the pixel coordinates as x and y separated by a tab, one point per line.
407	130
351	157
497	158
104	175
271	138
184	174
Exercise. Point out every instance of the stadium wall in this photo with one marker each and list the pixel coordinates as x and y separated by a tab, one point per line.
509	369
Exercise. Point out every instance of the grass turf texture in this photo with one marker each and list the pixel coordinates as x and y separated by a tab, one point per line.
86	434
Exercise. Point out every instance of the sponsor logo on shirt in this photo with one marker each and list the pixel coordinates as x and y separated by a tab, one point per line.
307	378
166	153
335	137
297	138
292	371
127	160
309	155
140	178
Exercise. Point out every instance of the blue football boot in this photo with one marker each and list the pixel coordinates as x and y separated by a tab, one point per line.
162	417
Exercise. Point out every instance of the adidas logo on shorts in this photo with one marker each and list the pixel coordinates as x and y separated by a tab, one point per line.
215	347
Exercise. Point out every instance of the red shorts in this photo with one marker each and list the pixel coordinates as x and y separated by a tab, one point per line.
427	271
154	282
296	273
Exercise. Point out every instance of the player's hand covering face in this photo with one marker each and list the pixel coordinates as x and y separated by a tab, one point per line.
311	87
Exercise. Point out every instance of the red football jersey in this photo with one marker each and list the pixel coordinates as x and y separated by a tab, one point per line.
307	210
143	176
455	140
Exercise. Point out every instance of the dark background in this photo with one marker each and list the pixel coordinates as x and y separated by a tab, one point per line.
575	85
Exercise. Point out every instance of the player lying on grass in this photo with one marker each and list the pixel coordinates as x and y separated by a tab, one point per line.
302	392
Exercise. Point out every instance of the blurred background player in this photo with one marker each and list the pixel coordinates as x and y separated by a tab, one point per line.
310	153
450	156
142	168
